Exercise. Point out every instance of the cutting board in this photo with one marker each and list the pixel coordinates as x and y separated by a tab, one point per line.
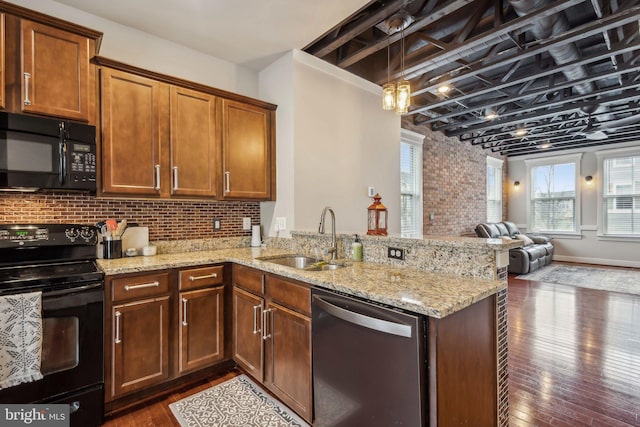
135	237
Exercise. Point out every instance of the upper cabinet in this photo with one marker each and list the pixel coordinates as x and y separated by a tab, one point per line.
47	68
55	72
193	143
133	127
169	138
247	152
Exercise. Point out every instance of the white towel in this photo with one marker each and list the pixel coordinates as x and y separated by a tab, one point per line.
20	338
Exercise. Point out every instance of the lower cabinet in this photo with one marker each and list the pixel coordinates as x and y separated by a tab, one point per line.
162	325
140	345
272	338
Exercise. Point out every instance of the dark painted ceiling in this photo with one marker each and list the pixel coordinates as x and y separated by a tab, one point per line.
560	74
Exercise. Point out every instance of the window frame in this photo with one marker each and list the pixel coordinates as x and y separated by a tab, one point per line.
614	154
531	164
417	141
497	164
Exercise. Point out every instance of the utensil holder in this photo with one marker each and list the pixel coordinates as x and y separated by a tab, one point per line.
112	249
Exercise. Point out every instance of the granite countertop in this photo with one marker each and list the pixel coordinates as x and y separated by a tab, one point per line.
432	294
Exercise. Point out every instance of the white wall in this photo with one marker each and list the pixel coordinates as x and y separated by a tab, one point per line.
342	142
587	247
143	50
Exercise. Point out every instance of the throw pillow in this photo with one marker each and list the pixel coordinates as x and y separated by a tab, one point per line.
525	239
506	238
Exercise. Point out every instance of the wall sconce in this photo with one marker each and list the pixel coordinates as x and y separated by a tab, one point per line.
589	179
516	184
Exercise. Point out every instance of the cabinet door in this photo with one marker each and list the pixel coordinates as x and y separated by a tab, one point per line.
248	349
201	328
246	151
289	358
133	128
140	345
193	143
55	72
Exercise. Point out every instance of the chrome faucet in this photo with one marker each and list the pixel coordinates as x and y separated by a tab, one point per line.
333	250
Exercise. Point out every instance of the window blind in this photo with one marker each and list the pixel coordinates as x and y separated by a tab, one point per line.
553	197
621	195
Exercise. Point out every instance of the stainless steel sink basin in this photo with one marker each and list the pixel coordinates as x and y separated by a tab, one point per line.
304	262
295	261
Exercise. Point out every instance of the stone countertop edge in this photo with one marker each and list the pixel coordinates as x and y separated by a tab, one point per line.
450	241
432	294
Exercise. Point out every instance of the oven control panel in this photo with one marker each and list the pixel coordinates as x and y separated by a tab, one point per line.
12	235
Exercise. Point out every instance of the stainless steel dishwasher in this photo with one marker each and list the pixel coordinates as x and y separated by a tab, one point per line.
369	366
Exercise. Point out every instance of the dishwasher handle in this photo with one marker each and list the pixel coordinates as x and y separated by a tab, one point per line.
380	325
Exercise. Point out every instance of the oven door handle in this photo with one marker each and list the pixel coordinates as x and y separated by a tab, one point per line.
71	290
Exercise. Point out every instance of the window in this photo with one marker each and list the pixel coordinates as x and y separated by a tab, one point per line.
411	184
494	189
553	196
621	194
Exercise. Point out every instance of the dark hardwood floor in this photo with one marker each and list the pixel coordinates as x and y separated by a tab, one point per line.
574	360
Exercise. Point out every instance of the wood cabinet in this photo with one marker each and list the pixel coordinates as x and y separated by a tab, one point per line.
272	335
169	138
247	152
139	338
133	109
48	70
193	143
201	318
160	328
55	72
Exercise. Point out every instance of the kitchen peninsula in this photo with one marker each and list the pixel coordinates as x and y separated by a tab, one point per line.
465	316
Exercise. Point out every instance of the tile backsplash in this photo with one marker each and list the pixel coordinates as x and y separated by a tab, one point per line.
166	219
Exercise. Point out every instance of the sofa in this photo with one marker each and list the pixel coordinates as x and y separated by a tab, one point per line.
536	252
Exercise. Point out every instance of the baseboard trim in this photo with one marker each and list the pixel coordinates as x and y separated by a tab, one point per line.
600	261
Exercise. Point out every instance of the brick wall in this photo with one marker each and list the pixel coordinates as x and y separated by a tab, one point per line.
167	220
455	180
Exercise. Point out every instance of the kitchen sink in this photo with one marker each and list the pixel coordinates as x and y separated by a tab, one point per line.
304	262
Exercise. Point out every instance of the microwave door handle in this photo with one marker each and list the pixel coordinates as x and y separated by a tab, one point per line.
62	161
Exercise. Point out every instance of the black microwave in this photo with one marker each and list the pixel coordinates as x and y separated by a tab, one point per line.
40	153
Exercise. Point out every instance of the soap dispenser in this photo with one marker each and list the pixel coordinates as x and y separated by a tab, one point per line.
356	249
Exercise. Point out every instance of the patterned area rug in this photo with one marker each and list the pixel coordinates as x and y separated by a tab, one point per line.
606	279
236	402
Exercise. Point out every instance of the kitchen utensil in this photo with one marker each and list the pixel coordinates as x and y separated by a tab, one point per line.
122	225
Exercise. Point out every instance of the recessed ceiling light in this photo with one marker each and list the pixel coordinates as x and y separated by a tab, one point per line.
444	89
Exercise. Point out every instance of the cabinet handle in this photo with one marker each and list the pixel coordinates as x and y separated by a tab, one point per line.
175	178
157	187
27	81
227	182
264	324
184	312
117	340
255	319
207	276
141	286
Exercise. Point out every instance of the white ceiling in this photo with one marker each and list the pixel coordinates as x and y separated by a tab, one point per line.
245	32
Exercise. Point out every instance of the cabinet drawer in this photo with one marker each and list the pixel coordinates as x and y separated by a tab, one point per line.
297	297
200	277
127	288
248	279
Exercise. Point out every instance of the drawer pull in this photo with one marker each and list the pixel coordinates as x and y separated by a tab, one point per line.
27	78
207	276
117	340
184	311
141	286
265	335
255	319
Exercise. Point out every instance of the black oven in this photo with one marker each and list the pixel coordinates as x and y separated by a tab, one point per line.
39	153
59	262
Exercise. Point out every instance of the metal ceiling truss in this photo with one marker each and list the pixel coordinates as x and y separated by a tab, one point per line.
566	71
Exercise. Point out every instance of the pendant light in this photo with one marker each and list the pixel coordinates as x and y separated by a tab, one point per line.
403	90
396	96
388	89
